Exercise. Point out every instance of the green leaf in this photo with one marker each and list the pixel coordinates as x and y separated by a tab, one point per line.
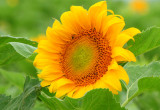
100	99
148	89
149	84
24	101
145	41
8	54
152	104
150	56
23	49
97	99
15	48
39	105
142	79
4	39
13	77
4	100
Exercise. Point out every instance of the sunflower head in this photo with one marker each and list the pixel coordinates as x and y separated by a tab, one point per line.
82	52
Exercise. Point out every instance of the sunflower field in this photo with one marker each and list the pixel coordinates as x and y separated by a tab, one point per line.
79	54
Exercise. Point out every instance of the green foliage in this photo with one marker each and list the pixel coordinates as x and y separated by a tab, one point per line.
148	57
8	55
39	105
14	48
16	78
145	41
148	101
97	99
39	14
34	20
149	84
152	55
146	77
24	101
142	79
23	49
4	39
4	100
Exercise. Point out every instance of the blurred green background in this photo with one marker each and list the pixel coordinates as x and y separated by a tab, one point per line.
30	18
27	18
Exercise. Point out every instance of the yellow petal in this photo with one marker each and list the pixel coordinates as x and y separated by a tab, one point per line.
64	90
126	35
58	83
58	31
41	63
49	47
69	22
110	11
117	74
131	31
115	24
50	76
81	15
114	91
121	54
122	39
53	37
36	51
113	65
111	79
111	30
70	94
82	90
94	12
45	83
102	84
102	5
42	54
56	24
122	74
98	22
51	73
43	59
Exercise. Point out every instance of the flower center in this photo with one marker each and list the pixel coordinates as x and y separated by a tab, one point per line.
83	54
86	57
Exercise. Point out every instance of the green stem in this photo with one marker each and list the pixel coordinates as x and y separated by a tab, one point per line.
128	100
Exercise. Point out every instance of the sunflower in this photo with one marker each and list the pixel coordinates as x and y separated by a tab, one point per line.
82	52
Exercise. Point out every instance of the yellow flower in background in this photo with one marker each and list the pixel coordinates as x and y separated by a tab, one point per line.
81	52
39	38
139	6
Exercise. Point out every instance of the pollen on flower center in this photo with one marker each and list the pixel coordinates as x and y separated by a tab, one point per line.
86	57
82	55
